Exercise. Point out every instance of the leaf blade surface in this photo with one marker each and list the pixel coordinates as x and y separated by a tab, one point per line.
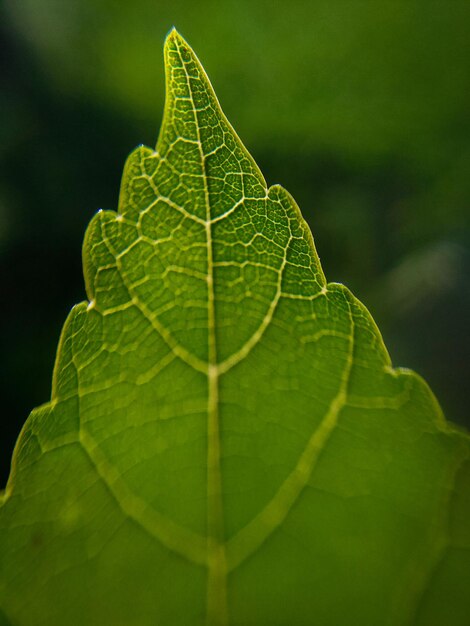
225	426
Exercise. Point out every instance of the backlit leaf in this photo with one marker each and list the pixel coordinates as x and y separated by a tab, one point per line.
227	442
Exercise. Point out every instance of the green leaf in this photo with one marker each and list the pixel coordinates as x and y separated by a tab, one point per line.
227	442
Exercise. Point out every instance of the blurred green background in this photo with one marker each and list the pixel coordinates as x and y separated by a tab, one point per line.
359	108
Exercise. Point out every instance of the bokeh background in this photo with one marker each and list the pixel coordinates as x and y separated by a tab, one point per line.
359	108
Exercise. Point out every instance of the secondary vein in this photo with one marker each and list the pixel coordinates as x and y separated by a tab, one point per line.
255	533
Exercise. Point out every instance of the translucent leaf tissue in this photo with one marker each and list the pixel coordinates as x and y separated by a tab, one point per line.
227	442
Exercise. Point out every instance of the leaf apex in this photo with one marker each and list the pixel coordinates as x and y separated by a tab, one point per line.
174	37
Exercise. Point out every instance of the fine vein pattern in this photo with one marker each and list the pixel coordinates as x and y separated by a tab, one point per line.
227	442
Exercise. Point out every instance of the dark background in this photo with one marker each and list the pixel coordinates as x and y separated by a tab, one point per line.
359	108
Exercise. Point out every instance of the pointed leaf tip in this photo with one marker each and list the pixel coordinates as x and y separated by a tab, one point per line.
174	37
171	34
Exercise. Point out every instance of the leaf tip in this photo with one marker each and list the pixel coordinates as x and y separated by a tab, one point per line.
171	33
173	38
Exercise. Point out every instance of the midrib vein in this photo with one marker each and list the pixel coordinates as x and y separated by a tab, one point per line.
217	574
217	614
